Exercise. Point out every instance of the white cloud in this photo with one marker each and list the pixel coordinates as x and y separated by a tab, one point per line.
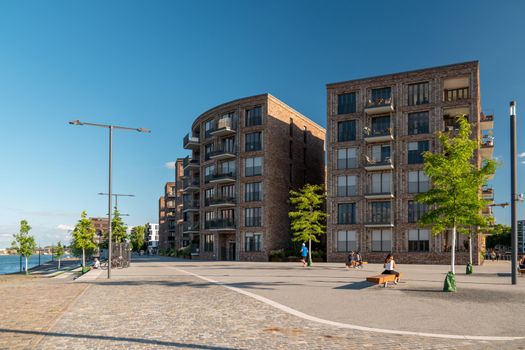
523	162
64	227
169	165
521	155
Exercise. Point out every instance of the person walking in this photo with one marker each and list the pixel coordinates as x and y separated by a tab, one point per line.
304	254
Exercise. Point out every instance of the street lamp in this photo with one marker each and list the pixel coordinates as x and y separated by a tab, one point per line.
110	127
116	195
513	194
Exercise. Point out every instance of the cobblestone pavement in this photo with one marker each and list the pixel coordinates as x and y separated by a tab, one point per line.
156	307
29	305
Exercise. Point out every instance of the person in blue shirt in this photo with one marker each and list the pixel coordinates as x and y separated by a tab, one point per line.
304	254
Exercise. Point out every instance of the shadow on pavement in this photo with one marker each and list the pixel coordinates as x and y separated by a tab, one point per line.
356	285
167	283
109	338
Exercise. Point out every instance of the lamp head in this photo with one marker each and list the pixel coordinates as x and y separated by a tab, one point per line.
76	122
143	130
512	107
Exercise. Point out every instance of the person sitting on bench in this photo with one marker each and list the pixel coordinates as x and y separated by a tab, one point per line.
390	265
522	262
351	261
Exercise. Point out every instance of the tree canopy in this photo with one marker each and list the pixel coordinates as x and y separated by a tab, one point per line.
308	220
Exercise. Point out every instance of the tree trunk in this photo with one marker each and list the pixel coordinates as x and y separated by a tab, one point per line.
309	252
453	262
59	263
83	259
27	271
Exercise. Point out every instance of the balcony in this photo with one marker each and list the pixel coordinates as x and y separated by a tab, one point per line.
379	221
488	194
220	202
372	136
220	224
221	177
188	163
224	127
379	106
191	142
223	153
190	227
374	165
191	205
487	211
487	121
190	185
458	94
487	147
379	195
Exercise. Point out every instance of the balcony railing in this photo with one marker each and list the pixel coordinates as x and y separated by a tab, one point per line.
380	105
220	201
219	224
191	205
375	135
379	221
456	94
221	177
191	184
384	164
191	142
224	126
189	162
190	227
487	121
222	153
379	194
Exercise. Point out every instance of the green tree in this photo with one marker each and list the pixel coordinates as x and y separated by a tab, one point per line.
137	238
308	220
455	199
24	243
118	229
499	234
84	236
58	252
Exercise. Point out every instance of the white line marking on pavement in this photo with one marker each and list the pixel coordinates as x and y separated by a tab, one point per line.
339	324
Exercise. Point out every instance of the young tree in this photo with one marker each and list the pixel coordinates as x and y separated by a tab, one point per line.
58	252
24	243
308	219
118	229
84	236
137	238
455	199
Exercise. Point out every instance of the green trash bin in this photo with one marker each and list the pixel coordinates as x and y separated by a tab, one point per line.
469	269
450	283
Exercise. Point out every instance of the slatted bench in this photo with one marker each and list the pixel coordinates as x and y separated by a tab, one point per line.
348	264
521	271
383	279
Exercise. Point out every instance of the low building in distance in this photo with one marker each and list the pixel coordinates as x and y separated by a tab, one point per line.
378	129
246	156
151	237
101	227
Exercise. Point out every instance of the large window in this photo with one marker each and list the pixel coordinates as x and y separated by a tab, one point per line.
418	94
417	182
346	213
380	153
382	240
208	128
418	123
416	210
253	142
228	191
381	183
252	191
208	150
380	125
252	242
346	185
209	193
346	241
208	173
346	103
346	158
253	166
415	151
254	116
227	167
418	240
346	131
380	94
380	213
208	243
253	217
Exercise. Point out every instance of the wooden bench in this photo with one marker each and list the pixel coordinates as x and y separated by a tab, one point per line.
348	263
383	279
521	271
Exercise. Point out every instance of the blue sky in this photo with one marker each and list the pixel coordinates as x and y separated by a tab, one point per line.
159	64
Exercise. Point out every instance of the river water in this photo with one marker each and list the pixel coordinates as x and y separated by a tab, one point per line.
11	263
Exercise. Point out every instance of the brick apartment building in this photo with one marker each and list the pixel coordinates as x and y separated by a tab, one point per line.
246	156
101	227
166	206
377	130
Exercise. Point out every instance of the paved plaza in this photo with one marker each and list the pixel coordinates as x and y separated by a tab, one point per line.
168	303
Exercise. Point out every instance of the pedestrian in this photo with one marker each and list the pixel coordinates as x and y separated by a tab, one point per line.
351	260
96	264
522	262
389	266
358	260
492	255
304	253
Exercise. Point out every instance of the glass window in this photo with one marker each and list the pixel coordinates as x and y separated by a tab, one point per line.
253	142
380	153
253	166
346	241
380	213
254	116
208	243
346	103
252	217
382	240
380	125
228	191
346	213
252	191
346	158
208	150
418	240
346	185
227	167
382	183
418	94
208	127
208	173
417	182
209	193
252	242
418	123
380	94
346	131
415	151
416	211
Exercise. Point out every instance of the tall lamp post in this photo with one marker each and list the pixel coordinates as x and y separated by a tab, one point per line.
116	195
513	192
110	127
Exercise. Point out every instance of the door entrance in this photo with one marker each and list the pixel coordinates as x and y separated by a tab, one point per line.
231	251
